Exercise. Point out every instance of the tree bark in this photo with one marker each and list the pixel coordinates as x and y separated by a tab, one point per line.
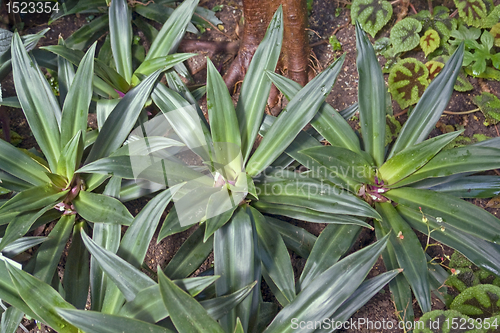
257	15
295	40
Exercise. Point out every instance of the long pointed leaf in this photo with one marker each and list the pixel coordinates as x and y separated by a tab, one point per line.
186	313
184	119
234	248
172	31
456	160
408	252
399	287
331	244
221	112
135	242
71	157
76	273
482	253
120	32
297	239
328	291
311	194
39	103
20	165
33	198
101	208
128	278
76	105
21	245
9	293
274	256
413	158
307	214
149	307
49	253
108	237
20	225
363	294
299	111
88	34
96	322
10	320
471	187
65	75
149	66
371	97
256	85
190	255
122	119
461	214
328	122
42	299
431	105
106	79
344	164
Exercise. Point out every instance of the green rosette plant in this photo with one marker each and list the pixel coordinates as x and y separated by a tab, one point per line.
118	67
414	184
46	186
161	304
227	187
141	11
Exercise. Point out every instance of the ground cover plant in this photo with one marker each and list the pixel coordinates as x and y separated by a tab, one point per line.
437	32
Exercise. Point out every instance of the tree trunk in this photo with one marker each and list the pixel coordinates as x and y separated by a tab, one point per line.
295	40
257	15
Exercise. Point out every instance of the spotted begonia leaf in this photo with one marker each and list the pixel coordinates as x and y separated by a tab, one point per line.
392	129
481	301
473	12
489	105
439	20
462	84
492	18
434	67
404	34
429	42
371	14
407	81
495	32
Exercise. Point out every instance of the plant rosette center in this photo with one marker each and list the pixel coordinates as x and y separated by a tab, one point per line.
373	193
66	206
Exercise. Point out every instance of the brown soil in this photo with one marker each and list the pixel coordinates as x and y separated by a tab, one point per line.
323	21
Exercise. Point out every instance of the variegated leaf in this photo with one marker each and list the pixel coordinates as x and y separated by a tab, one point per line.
371	14
407	81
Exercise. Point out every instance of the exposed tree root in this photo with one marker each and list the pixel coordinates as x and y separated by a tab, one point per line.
212	47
